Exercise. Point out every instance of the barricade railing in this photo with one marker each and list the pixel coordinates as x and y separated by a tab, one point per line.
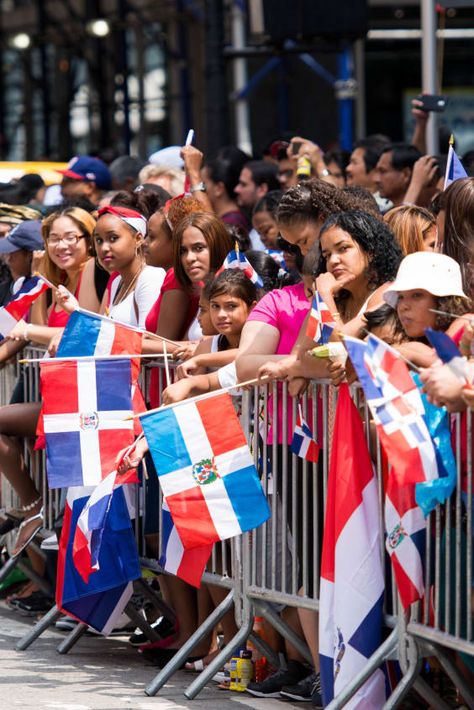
279	563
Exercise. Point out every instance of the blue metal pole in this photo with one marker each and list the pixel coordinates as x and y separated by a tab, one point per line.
344	97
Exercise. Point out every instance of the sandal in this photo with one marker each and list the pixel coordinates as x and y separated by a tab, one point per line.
26	532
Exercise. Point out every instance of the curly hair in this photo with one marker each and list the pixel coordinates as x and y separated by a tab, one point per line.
314	199
147	202
374	238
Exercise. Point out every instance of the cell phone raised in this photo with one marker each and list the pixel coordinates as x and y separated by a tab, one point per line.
295	147
432	102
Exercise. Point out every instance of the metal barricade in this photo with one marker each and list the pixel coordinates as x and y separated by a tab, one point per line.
279	564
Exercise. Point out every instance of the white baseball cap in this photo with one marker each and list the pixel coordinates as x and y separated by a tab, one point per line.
436	273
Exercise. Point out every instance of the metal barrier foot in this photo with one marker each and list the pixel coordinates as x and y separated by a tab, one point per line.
141	622
7	568
72	638
428	694
277	622
453	672
34	633
216	664
179	658
403	687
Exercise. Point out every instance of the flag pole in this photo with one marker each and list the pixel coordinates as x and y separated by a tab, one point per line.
199	397
82	358
47	282
453	315
393	350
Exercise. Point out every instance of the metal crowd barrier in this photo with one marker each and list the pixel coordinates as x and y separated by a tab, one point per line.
278	564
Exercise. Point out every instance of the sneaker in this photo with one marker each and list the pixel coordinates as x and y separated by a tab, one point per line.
303	690
34	604
271	686
316	696
162	626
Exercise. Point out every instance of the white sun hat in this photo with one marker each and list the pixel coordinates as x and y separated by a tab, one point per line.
436	273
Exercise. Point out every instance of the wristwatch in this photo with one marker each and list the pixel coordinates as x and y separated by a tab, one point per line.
200	187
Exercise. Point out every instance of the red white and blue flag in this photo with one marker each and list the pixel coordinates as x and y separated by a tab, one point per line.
95	335
320	323
17	308
352	583
85	408
303	443
448	352
397	408
188	565
100	601
238	260
405	541
206	470
454	168
90	527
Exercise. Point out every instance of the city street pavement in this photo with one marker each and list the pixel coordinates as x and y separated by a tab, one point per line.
97	674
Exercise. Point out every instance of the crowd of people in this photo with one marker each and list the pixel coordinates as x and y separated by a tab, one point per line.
388	249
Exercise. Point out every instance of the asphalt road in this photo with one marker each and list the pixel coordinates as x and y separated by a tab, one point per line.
97	674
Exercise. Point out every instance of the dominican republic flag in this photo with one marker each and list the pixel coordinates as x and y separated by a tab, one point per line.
90	527
100	601
405	542
320	323
352	584
205	469
238	260
277	256
17	308
303	443
397	408
448	352
85	408
454	168
188	565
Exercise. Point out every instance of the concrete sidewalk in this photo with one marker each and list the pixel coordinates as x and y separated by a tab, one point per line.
97	674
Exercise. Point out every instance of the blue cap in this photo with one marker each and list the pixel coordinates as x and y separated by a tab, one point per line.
26	235
88	169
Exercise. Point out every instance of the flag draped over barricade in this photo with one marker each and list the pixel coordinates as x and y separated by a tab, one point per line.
352	584
18	307
100	601
205	469
87	410
320	323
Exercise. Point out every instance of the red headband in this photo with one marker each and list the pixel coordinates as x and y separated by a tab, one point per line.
131	217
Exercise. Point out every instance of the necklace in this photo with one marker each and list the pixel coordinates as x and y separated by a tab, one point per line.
122	295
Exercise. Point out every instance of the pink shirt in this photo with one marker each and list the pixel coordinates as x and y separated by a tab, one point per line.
285	309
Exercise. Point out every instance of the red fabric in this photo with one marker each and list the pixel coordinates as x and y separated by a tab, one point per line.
58	319
151	324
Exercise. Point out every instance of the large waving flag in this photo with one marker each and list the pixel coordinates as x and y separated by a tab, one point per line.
320	323
100	601
352	585
205	469
90	527
454	168
238	260
17	308
85	408
188	565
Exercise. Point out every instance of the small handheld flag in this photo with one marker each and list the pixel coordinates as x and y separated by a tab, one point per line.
448	352
238	260
454	167
18	306
303	443
320	323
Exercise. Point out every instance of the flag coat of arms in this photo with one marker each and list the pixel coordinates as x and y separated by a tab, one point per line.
100	601
352	584
85	408
205	469
20	304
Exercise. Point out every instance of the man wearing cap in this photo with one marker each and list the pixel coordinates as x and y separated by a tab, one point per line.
11	215
87	177
18	247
